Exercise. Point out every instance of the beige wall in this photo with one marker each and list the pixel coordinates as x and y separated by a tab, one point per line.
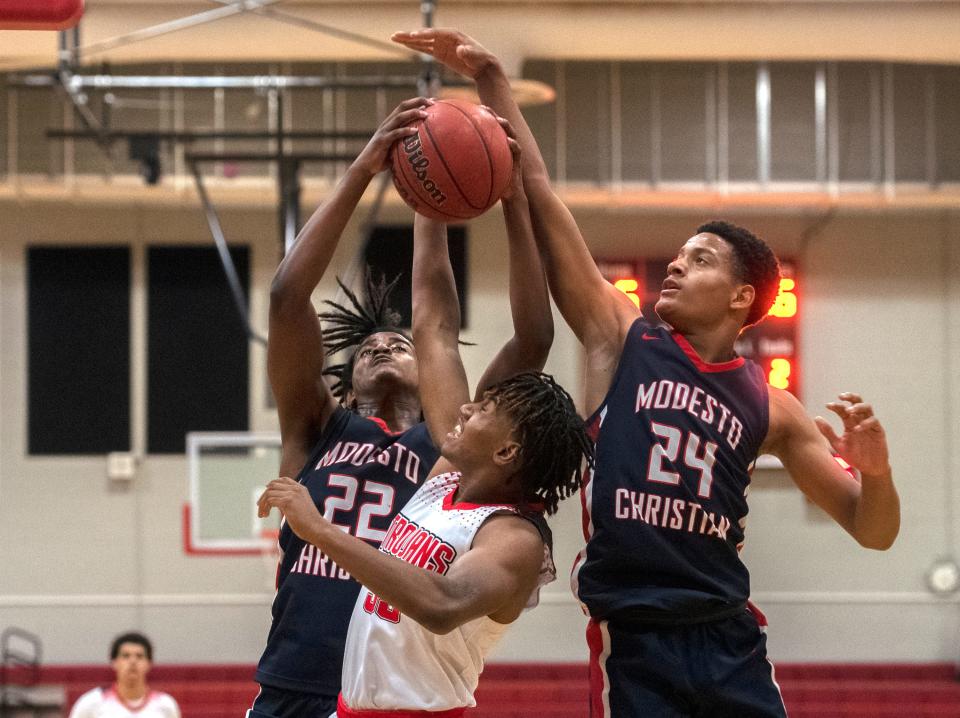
81	558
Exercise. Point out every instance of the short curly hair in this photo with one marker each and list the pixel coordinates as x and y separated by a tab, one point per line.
552	436
754	263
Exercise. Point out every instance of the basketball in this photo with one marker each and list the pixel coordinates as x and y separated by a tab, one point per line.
456	166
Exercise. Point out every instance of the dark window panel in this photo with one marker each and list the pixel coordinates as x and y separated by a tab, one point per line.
587	117
742	122
390	252
683	122
543	118
857	122
793	150
635	121
909	123
79	350
947	120
197	348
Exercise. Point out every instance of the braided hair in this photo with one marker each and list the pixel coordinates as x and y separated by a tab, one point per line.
553	439
348	324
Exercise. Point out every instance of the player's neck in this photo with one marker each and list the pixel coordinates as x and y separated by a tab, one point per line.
132	693
713	345
399	414
486	485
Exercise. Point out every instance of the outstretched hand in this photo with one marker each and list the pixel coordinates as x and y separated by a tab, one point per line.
374	158
864	443
459	52
294	502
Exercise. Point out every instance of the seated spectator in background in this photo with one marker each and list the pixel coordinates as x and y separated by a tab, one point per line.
131	655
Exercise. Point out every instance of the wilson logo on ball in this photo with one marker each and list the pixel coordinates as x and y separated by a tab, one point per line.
413	149
456	166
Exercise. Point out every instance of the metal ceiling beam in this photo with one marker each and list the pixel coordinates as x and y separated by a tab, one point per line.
211	82
182	23
201	135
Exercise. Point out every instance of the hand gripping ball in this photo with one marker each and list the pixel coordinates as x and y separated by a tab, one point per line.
457	164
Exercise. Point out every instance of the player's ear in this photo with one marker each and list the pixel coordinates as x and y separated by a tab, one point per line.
508	453
350	400
743	297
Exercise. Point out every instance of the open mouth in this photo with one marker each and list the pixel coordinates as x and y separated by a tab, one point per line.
455	432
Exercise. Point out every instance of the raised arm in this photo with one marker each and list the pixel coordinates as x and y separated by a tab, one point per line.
494	578
868	508
598	313
436	329
295	346
528	348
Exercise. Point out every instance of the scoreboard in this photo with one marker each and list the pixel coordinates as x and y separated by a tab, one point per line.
772	343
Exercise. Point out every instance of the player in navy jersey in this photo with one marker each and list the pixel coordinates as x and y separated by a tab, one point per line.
363	459
678	422
467	553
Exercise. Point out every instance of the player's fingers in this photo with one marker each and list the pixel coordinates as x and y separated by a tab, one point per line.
410	104
514	148
413	41
851	397
413	34
861	411
406	117
840	409
505	124
872	424
399	133
824	426
263	505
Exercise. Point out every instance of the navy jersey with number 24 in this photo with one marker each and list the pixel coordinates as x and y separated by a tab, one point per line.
665	507
359	475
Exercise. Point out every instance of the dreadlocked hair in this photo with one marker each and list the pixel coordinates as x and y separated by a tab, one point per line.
553	439
348	324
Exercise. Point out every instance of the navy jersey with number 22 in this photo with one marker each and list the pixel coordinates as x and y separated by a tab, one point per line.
359	476
665	507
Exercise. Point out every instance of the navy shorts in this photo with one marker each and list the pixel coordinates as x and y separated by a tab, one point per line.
281	703
717	669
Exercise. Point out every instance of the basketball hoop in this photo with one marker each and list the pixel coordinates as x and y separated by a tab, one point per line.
40	14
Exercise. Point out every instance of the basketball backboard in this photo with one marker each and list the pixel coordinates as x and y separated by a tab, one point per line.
227	471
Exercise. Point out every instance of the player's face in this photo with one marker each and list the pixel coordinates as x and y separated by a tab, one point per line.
482	434
131	664
384	360
700	283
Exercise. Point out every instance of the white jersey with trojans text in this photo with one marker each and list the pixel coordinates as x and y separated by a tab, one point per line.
391	661
107	703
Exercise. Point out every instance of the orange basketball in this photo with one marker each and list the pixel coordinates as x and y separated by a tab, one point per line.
456	166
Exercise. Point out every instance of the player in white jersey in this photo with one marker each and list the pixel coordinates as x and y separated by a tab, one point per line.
131	655
467	554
